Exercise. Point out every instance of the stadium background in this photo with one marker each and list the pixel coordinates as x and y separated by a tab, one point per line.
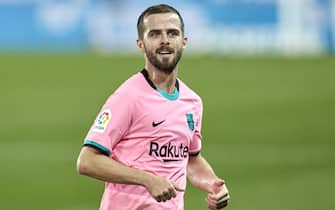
264	68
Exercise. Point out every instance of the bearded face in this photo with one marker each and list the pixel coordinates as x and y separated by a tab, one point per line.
163	41
164	58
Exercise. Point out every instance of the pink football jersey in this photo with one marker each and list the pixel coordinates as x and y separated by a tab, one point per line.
143	127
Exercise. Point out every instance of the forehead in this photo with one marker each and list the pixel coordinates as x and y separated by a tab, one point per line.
162	21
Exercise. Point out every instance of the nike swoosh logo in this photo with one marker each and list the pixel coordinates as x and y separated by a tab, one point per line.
154	124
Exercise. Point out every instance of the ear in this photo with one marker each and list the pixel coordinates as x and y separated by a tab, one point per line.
185	42
140	44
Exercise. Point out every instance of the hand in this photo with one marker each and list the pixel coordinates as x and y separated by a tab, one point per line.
162	189
219	196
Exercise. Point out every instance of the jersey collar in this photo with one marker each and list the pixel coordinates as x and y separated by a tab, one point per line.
170	96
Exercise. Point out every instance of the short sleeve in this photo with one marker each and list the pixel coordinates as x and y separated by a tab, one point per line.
111	123
195	145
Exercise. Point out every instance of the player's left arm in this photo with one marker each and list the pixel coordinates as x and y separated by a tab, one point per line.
201	175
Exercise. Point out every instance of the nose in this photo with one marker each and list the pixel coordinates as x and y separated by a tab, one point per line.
164	39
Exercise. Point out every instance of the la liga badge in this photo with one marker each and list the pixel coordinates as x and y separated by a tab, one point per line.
102	121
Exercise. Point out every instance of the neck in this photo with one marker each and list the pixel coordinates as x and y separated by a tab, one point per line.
161	79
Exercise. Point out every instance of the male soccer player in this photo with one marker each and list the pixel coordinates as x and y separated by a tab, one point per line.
146	140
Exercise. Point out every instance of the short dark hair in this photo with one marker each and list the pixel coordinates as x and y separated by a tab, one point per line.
156	9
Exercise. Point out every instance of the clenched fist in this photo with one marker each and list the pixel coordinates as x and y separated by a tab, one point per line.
219	196
162	189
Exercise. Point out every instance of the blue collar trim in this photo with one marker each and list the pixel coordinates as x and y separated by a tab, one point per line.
170	96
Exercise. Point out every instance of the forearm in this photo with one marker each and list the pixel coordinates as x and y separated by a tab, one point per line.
106	169
200	173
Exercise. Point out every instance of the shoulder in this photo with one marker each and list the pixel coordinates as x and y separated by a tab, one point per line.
127	91
189	93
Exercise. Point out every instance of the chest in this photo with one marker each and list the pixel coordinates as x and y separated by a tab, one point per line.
163	120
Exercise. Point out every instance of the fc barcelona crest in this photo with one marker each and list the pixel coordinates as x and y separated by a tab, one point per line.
190	121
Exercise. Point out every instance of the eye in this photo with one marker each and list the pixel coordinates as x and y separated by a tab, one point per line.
154	33
173	33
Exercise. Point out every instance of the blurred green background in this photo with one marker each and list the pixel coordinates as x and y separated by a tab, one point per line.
268	128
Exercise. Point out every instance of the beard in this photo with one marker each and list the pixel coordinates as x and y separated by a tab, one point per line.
165	65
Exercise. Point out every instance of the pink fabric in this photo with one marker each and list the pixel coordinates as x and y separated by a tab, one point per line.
127	131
